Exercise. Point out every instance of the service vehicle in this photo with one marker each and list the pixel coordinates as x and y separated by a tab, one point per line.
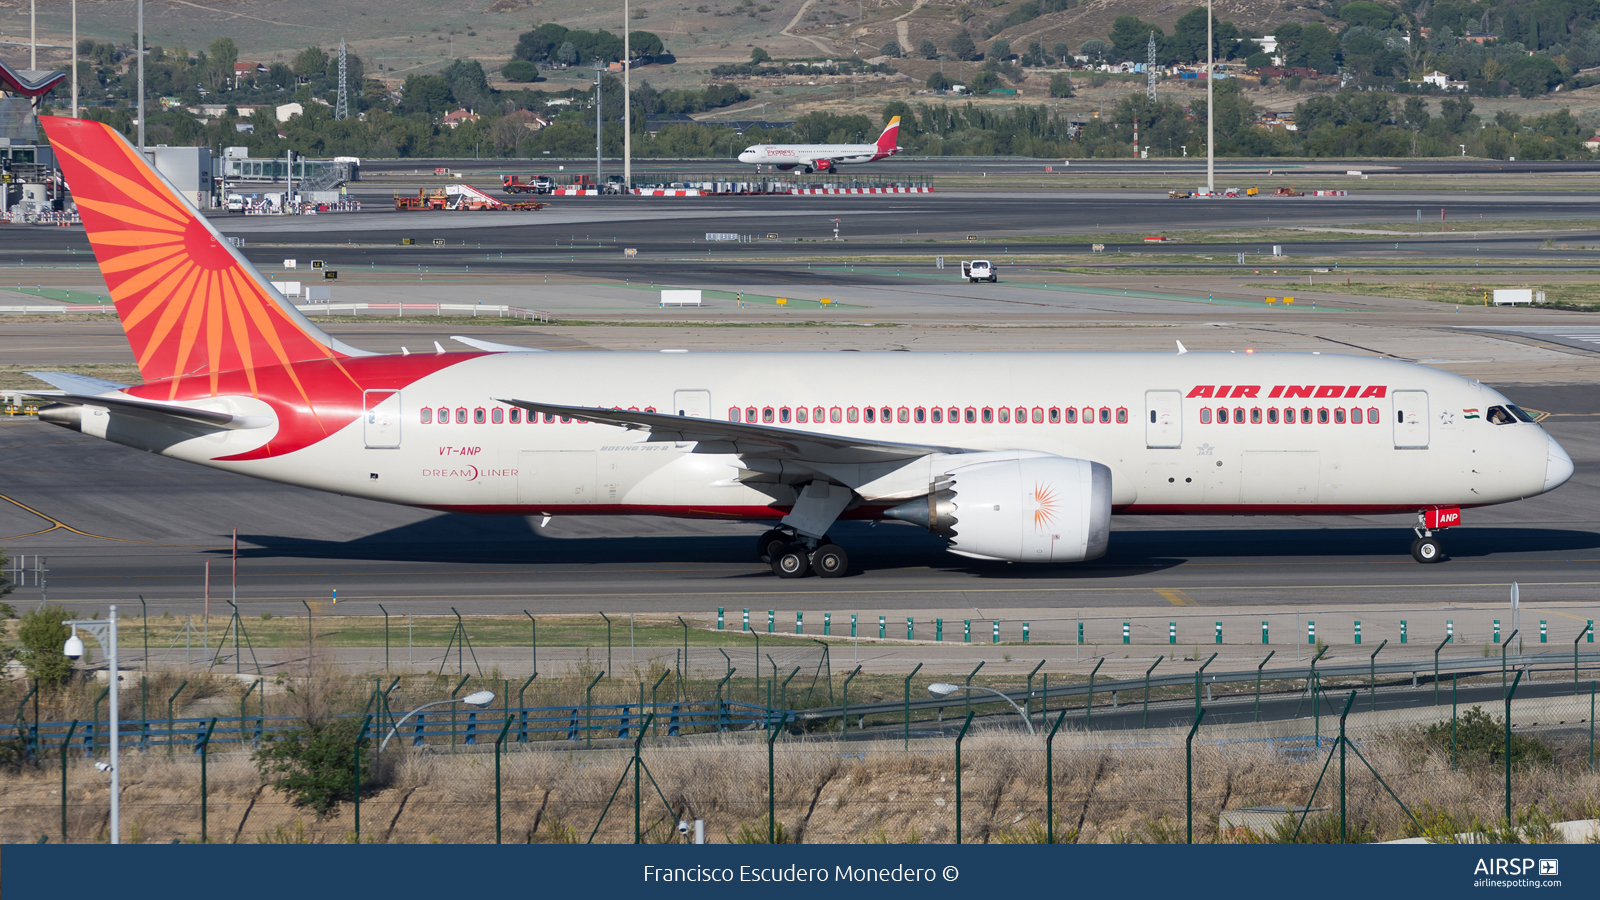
979	270
1011	456
1178	195
1288	192
536	184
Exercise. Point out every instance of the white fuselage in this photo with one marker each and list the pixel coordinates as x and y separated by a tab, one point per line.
809	154
1432	445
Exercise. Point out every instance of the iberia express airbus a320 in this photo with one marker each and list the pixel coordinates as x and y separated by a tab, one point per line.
1012	456
824	157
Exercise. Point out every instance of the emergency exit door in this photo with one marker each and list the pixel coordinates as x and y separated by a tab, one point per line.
692	403
1410	420
381	421
1163	419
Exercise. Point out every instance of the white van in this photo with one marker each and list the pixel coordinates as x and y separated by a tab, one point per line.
979	270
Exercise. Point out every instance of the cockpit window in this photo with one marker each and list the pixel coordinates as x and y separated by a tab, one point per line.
1520	413
1499	415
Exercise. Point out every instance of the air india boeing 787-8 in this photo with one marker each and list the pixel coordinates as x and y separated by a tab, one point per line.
1012	456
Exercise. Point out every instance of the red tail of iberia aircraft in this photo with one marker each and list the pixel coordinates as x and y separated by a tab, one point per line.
1024	469
888	142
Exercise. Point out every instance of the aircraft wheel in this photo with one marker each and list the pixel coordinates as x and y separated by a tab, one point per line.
790	561
830	561
1427	550
768	544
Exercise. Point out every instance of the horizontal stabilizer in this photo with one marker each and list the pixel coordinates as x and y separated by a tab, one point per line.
492	347
209	417
77	384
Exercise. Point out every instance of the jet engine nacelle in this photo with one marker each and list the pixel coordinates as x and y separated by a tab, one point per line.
1038	509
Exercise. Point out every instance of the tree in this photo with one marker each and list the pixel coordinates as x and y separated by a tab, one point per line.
962	46
1533	76
1061	85
1130	37
999	49
468	84
928	49
645	45
1188	42
308	62
520	70
1415	114
43	635
984	82
538	44
1364	12
1257	60
938	81
891	50
1320	48
759	56
566	54
1095	49
1061	51
428	94
220	57
1455	112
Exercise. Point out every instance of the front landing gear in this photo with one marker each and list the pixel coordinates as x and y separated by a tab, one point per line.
1427	547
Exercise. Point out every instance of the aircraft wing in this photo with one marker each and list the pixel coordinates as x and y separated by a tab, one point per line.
151	409
744	439
76	384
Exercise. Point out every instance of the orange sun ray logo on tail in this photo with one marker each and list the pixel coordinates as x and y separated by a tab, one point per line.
192	307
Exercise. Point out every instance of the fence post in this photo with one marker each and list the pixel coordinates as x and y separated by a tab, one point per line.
1050	779
205	742
170	701
1342	716
908	705
963	733
355	754
772	793
1147	690
522	711
498	741
1575	658
1270	654
1436	668
1188	766
1197	673
588	711
1453	685
845	718
1088	708
1510	821
1372	673
66	742
1027	703
969	683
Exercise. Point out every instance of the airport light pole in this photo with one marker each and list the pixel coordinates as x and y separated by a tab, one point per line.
599	71
1211	112
479	699
106	633
140	52
627	102
941	690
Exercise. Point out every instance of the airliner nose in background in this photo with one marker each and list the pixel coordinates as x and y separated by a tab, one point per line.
1012	456
824	157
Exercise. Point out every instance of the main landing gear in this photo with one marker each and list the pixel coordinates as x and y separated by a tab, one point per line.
793	555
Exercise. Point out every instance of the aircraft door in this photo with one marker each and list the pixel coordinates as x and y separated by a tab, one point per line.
692	403
381	423
1163	425
1410	420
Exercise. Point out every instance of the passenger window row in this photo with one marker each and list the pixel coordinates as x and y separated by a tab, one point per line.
498	416
1289	415
971	415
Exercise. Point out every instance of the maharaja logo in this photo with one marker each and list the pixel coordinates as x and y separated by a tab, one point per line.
1289	391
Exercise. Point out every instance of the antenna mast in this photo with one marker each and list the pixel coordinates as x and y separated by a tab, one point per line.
1150	69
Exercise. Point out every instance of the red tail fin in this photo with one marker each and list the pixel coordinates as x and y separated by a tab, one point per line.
189	303
888	142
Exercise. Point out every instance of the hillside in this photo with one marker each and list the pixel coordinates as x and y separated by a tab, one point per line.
406	35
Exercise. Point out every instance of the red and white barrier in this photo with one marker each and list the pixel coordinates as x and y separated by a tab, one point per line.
575	192
882	190
1330	193
666	193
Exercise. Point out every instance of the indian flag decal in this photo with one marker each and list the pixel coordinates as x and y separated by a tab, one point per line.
1469	413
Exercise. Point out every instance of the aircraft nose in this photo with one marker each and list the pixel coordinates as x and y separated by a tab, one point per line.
747	156
1557	465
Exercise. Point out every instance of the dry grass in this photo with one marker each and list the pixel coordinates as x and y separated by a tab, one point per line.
825	793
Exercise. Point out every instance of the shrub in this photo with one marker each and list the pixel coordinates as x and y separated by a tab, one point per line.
1484	736
891	49
314	763
1061	85
43	634
938	81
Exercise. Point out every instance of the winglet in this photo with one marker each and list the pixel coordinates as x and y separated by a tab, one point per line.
1182	349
